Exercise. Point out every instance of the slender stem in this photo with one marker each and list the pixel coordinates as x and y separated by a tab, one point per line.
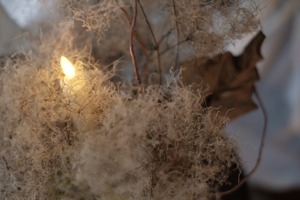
136	35
261	147
164	36
177	34
154	40
173	46
132	54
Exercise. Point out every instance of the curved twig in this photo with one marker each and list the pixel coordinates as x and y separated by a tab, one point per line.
131	49
261	147
137	37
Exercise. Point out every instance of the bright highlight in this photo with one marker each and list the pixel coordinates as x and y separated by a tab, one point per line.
67	67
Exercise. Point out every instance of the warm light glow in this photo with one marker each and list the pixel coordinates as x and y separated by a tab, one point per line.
67	67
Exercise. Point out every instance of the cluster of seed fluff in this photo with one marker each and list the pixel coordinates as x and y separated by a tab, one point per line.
210	25
183	29
161	145
39	134
94	15
207	25
104	142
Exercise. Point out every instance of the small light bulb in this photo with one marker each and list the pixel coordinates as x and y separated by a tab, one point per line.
67	67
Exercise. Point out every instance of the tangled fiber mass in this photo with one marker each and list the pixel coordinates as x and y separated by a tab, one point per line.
162	144
108	140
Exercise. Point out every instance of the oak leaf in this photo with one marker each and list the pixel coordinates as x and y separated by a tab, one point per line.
230	79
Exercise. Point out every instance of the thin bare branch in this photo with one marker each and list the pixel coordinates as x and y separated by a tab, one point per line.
131	48
136	35
173	46
177	33
154	40
261	147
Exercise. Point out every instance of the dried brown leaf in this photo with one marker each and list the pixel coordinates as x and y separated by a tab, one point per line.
230	79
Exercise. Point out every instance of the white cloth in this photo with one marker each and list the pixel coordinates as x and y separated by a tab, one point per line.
24	12
9	31
279	88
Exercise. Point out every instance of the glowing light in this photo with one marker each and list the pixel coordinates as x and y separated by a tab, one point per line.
67	67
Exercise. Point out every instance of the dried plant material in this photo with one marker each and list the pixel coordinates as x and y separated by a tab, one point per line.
162	145
94	15
38	134
202	28
209	25
106	141
230	79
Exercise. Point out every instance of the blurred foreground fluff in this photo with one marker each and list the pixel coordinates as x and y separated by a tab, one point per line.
106	140
162	144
